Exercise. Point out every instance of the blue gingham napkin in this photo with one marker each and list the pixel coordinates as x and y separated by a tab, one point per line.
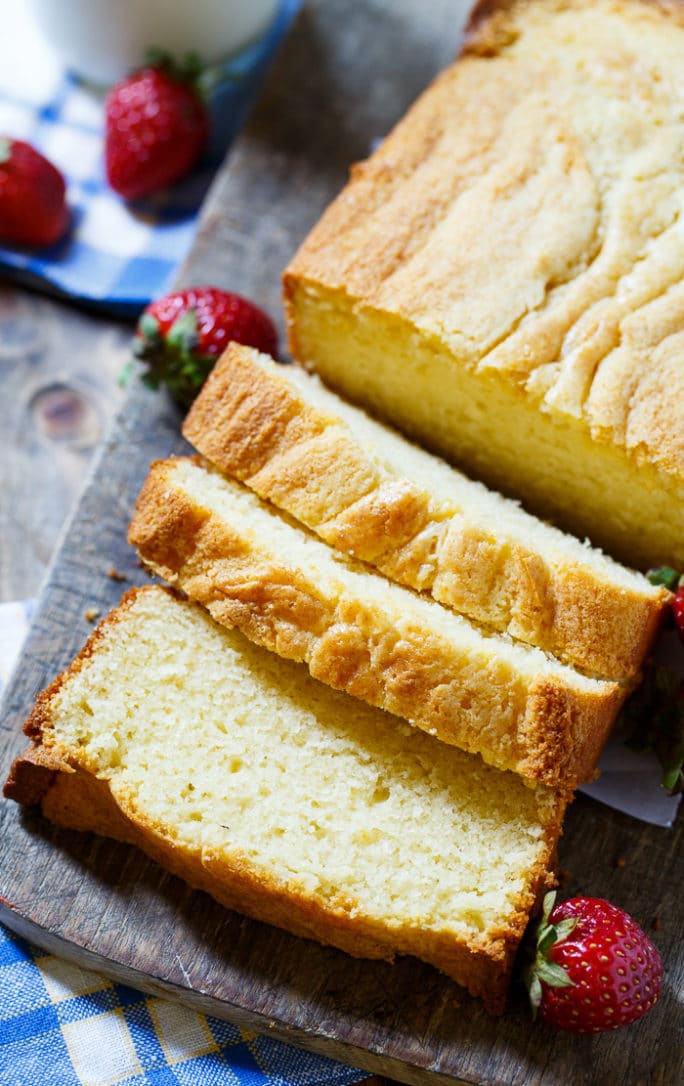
61	1025
116	257
65	1026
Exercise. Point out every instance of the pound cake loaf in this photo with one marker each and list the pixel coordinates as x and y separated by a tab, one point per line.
220	544
286	800
366	490
504	278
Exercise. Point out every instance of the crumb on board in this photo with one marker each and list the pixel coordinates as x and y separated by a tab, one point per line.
116	575
91	613
656	923
620	861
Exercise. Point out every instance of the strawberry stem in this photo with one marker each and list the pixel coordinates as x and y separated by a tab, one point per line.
183	335
188	69
540	967
173	361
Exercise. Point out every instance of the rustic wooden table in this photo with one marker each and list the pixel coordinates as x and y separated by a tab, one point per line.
58	371
59	389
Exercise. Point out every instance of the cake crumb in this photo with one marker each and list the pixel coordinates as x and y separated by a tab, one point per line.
91	613
115	575
620	862
656	923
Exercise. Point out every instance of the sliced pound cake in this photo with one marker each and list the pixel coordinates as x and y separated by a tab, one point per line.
288	591
504	278
363	488
286	800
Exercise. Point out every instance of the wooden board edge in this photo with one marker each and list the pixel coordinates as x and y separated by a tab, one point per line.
244	1019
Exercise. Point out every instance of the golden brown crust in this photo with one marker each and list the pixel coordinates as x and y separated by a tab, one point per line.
76	799
493	24
490	27
550	152
30	776
258	427
541	727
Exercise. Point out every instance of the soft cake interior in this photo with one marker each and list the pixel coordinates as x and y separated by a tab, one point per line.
238	757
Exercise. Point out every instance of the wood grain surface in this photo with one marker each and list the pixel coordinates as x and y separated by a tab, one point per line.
346	73
58	380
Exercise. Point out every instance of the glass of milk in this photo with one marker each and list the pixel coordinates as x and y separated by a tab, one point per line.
103	40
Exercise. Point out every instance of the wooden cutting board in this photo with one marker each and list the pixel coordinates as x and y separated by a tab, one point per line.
346	73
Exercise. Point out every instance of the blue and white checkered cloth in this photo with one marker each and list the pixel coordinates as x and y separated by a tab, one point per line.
116	258
61	1025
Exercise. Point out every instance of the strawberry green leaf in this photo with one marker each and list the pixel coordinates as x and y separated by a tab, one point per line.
552	974
547	906
664	575
540	967
673	779
545	939
126	373
188	69
535	992
564	927
148	326
183	334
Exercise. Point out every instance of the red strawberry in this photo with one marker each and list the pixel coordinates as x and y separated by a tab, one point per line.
156	128
678	609
594	969
33	209
180	336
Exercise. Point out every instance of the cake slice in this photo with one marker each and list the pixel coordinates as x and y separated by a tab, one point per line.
286	800
286	590
503	279
366	490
